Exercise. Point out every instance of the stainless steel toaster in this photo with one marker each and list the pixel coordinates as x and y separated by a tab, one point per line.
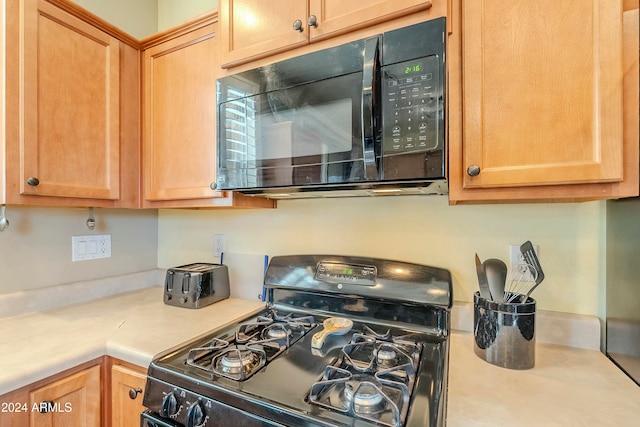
196	285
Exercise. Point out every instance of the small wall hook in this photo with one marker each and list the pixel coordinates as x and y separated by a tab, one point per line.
4	222
91	222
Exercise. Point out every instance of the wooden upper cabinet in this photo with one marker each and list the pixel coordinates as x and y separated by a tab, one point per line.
71	401
540	103
336	17
70	134
543	92
257	28
179	120
252	29
180	117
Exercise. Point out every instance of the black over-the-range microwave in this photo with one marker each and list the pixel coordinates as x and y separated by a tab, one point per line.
366	117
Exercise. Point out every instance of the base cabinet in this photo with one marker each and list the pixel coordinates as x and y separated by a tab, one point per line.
71	401
102	392
127	391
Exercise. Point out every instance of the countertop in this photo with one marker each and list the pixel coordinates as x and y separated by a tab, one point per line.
567	386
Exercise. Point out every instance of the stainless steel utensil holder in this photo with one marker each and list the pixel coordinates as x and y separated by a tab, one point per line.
504	333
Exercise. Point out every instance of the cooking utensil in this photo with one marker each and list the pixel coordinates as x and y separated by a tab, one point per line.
496	273
485	291
522	277
529	254
332	326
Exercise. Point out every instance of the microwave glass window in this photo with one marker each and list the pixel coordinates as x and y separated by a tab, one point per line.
308	134
318	130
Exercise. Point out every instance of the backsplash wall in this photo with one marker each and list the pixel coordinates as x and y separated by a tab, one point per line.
36	248
418	229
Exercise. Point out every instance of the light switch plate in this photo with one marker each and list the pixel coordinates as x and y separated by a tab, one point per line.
92	246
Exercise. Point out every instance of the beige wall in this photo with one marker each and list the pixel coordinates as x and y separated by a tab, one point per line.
173	12
35	251
142	18
138	18
418	229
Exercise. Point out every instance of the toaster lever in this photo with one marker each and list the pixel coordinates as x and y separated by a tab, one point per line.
185	283
169	281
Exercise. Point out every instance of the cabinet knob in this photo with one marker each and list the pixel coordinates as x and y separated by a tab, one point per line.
297	25
213	185
46	406
33	181
133	393
473	170
312	21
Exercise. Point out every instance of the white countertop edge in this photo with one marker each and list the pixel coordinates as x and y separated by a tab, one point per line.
26	376
567	329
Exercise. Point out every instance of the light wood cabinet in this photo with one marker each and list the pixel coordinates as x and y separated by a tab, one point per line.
179	111
252	29
101	392
127	391
71	89
71	401
539	105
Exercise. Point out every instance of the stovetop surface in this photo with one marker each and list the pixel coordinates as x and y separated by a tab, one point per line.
284	384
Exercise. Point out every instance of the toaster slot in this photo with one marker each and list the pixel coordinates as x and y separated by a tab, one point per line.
185	283
168	284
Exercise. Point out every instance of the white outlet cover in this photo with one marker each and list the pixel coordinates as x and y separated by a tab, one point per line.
516	260
93	246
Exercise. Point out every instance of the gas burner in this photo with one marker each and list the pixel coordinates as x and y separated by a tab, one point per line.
386	356
273	326
233	362
238	364
276	331
364	397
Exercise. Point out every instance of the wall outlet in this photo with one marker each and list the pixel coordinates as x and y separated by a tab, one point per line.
92	246
218	244
518	263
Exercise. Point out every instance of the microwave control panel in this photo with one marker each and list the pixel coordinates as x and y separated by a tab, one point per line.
411	106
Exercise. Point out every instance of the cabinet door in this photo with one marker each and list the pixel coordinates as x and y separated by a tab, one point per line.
71	401
542	92
70	88
252	29
338	16
179	138
127	391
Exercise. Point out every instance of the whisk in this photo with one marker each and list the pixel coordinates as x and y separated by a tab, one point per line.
520	282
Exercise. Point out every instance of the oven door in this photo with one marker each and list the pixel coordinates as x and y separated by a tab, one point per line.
149	419
307	121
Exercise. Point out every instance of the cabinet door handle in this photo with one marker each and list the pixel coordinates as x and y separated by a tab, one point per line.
46	406
473	170
312	21
297	25
33	181
133	393
213	185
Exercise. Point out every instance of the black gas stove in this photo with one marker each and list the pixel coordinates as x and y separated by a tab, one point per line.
389	369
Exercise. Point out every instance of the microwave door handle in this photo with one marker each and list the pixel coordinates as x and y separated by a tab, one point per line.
369	73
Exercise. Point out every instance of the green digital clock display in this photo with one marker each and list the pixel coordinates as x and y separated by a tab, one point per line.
348	271
412	69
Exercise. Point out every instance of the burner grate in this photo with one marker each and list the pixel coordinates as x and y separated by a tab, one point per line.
254	345
372	379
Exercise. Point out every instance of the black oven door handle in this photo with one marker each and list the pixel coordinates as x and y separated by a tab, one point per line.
369	93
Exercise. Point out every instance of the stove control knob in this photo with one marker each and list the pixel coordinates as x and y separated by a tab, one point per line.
170	405
196	417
